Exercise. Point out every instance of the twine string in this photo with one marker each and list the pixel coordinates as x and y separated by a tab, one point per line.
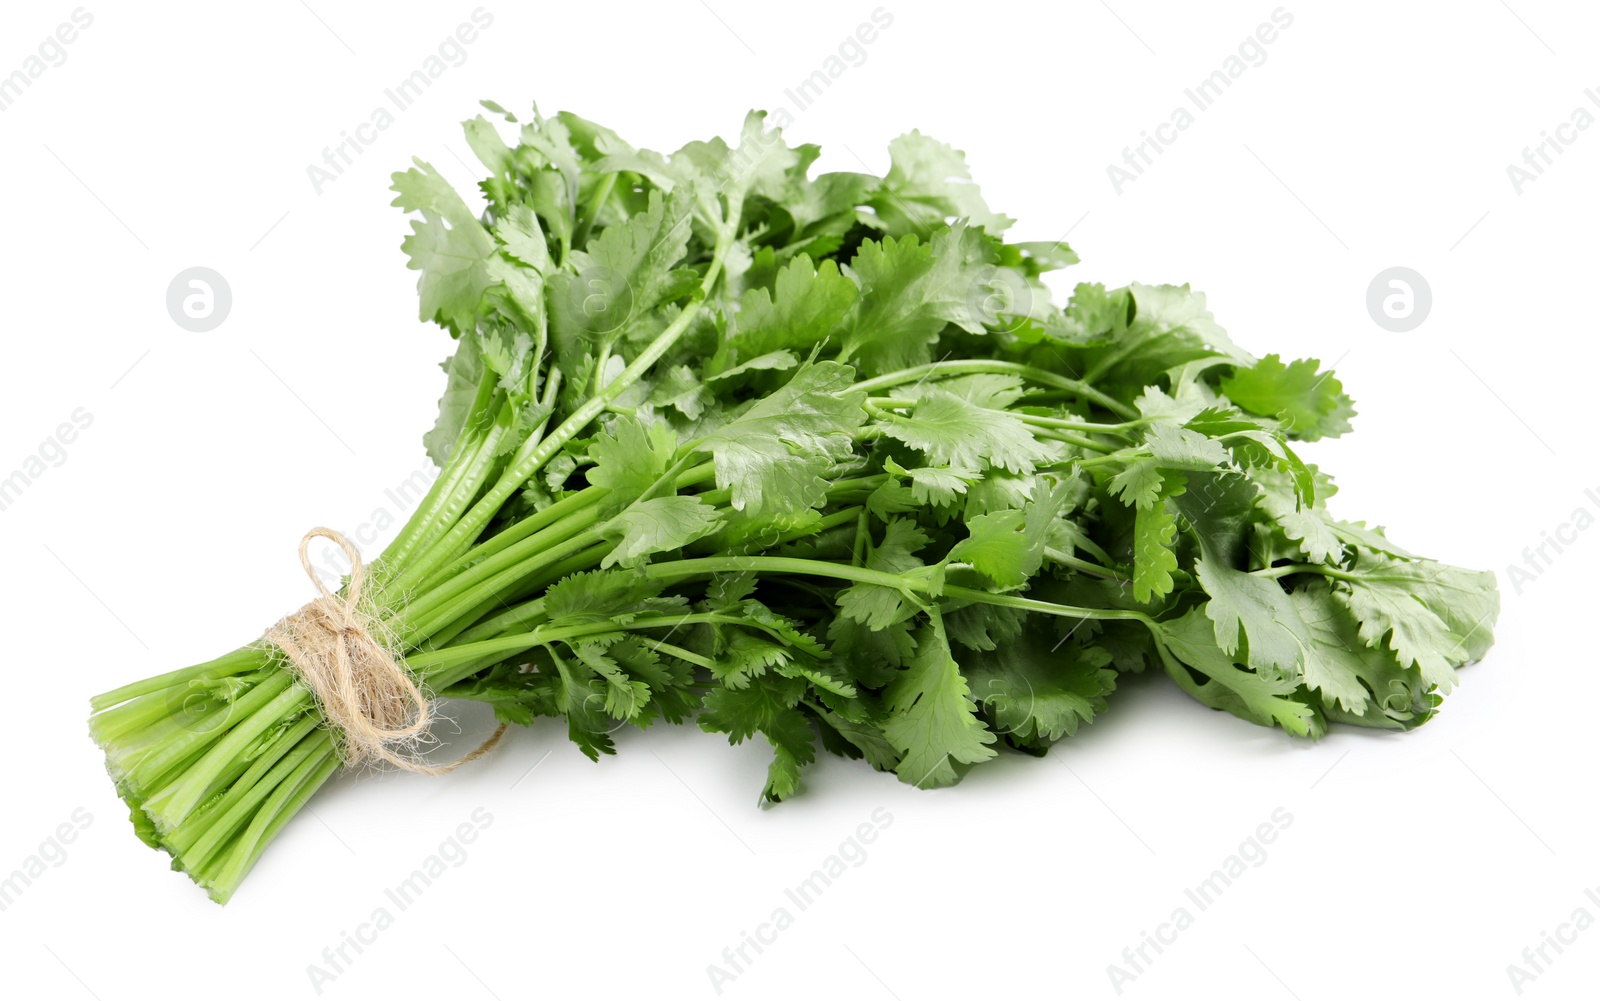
341	650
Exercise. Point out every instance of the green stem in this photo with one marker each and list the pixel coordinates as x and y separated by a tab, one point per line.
473	620
529	460
981	367
591	209
438	611
443	501
436	665
663	342
170	806
198	837
774	564
1100	460
236	662
1092	569
499	542
1046	607
862	575
277	811
1273	573
687	656
1089	427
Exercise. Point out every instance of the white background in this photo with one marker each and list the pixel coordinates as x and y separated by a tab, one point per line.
1375	134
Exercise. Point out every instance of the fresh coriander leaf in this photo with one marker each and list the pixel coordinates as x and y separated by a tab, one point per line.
1338	665
768	708
933	721
774	455
1398	603
823	676
742	657
927	184
490	148
1153	559
1094	316
1245	608
630	459
581	697
876	605
658	525
613	596
1138	484
985	389
681	389
1182	448
1034	259
910	290
1250	695
1038	690
1008	546
859	740
1170	326
1311	404
521	237
448	246
1158	407
625	697
1356	533
983	627
772	361
936	486
951	431
873	655
464	372
1301	524
802	311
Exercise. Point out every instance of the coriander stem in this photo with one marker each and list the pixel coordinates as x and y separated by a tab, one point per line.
688	657
441	505
642	363
1086	426
467	592
1099	460
246	658
982	366
862	575
530	460
494	545
1274	573
774	564
1046	607
592	208
435	665
1092	569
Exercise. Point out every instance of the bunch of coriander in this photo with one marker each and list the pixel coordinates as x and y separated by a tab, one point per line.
817	459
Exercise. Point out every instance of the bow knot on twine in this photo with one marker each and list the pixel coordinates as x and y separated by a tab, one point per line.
341	649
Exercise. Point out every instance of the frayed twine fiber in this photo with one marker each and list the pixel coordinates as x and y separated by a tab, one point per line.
341	650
